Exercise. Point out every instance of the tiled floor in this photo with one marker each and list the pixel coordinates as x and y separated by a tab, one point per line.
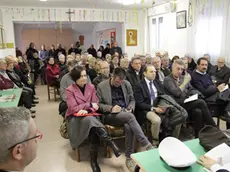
54	152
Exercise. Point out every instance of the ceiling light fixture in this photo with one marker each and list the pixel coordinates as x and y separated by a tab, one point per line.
43	0
129	2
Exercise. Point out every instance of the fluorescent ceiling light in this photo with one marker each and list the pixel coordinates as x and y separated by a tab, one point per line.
43	0
129	2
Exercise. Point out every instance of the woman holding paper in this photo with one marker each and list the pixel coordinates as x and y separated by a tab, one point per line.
81	100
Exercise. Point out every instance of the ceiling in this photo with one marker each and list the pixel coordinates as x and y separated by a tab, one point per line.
103	4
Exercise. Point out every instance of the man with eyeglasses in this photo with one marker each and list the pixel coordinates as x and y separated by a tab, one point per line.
18	145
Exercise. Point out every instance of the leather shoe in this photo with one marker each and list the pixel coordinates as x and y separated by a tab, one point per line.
93	162
227	116
35	102
33	105
32	111
33	116
35	98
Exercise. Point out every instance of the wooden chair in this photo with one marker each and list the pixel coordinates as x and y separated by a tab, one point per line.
53	90
77	151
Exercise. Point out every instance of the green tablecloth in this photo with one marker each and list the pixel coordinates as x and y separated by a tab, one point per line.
17	92
150	161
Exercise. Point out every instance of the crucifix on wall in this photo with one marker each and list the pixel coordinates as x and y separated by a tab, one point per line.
69	12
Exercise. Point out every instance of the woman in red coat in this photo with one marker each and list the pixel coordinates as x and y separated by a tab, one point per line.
52	73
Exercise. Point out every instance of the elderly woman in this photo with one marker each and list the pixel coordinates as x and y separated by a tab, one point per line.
124	63
52	73
81	99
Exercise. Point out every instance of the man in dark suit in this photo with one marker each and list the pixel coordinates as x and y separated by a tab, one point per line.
116	102
151	103
165	65
220	73
115	49
179	88
134	74
18	146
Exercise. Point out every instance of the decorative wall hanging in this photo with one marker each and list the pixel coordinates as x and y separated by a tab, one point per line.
190	13
181	19
81	38
131	37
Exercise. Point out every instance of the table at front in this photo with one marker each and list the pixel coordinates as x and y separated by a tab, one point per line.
17	92
150	161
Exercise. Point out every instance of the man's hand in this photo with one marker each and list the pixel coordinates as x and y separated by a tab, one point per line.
206	162
116	109
82	112
160	110
95	106
221	87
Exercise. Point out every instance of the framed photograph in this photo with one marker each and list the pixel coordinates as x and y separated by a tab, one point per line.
181	19
131	37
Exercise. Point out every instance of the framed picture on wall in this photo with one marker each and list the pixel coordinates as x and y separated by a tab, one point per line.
181	19
131	37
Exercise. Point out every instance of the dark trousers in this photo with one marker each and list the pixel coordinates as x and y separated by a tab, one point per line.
26	99
202	106
228	125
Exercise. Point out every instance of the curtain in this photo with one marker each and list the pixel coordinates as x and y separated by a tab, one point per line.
209	32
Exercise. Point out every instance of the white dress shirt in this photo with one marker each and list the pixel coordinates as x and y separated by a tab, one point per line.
154	89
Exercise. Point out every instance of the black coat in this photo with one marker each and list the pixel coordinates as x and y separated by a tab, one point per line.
30	53
21	75
92	51
132	77
106	51
62	50
166	71
192	65
15	78
113	50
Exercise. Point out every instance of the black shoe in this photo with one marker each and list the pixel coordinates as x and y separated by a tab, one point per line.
227	116
35	102
33	116
35	98
32	111
33	105
93	161
103	135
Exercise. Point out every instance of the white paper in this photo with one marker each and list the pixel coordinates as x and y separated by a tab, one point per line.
220	153
191	98
225	88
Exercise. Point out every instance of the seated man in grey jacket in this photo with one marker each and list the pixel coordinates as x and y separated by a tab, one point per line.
116	102
179	88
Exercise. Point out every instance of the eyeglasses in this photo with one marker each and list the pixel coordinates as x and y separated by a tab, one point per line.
38	136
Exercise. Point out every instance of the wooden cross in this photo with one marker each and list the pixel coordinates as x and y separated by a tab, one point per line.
70	13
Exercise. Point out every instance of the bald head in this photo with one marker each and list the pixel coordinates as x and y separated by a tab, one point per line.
220	62
157	63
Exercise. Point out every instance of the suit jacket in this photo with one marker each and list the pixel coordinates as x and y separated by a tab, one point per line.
222	75
76	101
105	96
15	78
166	71
113	50
132	77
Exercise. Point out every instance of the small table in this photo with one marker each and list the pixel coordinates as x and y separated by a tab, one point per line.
150	161
17	92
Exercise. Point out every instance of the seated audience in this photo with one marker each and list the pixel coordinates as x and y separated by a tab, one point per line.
143	62
92	51
186	69
124	63
149	60
101	48
116	49
24	66
220	73
134	74
165	65
99	55
203	82
106	50
18	52
210	66
117	104
35	64
108	58
72	49
179	88
90	68
78	49
115	63
19	136
59	51
52	73
191	63
5	81
159	73
83	60
81	98
52	52
62	62
103	73
151	104
78	58
43	54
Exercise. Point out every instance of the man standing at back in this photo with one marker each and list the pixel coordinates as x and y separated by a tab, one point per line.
18	146
115	49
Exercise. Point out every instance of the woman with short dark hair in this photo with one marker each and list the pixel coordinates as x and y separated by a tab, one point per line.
81	98
52	73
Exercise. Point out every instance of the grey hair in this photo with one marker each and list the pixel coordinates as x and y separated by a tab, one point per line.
178	62
14	127
2	61
135	58
61	55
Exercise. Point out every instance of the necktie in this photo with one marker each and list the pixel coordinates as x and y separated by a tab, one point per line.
151	90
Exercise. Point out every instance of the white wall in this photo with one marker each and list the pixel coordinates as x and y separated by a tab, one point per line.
177	39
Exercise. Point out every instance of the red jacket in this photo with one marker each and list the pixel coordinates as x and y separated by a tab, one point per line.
5	83
51	73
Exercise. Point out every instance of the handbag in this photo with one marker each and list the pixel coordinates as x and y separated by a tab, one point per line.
63	130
